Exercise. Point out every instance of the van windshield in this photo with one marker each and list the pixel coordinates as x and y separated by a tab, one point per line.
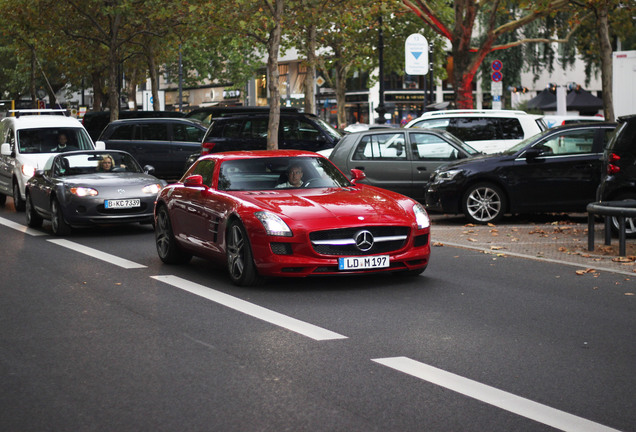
53	140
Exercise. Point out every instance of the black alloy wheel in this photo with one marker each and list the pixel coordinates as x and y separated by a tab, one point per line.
167	248
240	261
33	219
58	224
18	202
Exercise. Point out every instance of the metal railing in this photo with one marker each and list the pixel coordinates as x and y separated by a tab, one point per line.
609	209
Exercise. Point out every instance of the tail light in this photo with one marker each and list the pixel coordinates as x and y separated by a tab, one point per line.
612	168
207	147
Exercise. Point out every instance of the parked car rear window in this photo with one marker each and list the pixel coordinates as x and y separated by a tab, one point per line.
123	132
182	132
153	132
510	128
388	146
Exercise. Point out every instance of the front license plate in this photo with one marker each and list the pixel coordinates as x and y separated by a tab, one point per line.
361	263
124	203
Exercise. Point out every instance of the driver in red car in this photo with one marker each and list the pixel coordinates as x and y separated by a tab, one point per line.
294	177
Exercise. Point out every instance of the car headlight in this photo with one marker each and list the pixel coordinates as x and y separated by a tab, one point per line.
84	191
28	170
421	217
273	224
447	175
151	189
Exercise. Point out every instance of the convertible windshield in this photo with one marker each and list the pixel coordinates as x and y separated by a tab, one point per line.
92	163
279	173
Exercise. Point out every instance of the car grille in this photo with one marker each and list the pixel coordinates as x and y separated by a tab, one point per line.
343	241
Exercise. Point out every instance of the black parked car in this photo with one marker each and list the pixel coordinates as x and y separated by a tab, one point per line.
557	170
401	160
165	143
96	121
206	114
618	180
297	131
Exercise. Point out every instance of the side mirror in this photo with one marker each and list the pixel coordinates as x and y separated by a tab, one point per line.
357	175
100	145
149	169
193	181
38	173
5	149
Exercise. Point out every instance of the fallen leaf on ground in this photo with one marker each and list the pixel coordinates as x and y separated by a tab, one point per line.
582	272
438	244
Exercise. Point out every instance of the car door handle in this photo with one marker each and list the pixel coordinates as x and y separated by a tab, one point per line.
422	168
360	168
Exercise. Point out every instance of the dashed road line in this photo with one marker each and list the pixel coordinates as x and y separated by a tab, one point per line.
490	395
272	317
112	259
22	228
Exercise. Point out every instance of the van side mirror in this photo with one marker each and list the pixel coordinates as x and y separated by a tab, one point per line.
5	149
100	145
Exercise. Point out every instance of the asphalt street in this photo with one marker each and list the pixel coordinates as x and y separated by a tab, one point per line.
97	335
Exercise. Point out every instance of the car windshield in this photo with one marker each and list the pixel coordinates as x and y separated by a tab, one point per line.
53	140
274	173
452	138
92	163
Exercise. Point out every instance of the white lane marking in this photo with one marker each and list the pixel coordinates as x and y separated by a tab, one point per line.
303	328
499	398
21	228
112	259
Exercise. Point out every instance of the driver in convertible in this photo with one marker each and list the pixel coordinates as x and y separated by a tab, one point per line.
294	177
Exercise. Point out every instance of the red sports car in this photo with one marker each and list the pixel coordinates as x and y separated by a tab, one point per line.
288	213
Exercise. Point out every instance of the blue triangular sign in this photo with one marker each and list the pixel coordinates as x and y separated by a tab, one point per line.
416	54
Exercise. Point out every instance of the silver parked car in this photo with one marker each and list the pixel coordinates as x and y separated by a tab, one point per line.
400	160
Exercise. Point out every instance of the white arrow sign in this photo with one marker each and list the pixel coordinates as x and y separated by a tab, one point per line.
416	55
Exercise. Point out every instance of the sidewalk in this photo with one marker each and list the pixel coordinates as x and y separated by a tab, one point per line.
563	240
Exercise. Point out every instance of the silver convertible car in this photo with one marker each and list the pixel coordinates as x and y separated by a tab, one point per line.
91	187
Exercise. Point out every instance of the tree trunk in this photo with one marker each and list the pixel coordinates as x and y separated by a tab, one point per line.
606	61
34	97
273	45
341	90
98	92
154	77
310	77
113	83
131	88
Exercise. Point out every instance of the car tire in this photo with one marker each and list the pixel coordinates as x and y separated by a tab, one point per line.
33	219
630	223
58	224
18	202
167	248
240	261
484	203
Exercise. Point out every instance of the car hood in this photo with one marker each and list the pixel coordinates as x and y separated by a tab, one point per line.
360	203
110	180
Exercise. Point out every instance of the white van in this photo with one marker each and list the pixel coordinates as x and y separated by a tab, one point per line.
29	138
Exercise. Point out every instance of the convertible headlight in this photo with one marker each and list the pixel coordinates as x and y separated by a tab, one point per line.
447	175
273	224
421	217
151	189
28	170
84	191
